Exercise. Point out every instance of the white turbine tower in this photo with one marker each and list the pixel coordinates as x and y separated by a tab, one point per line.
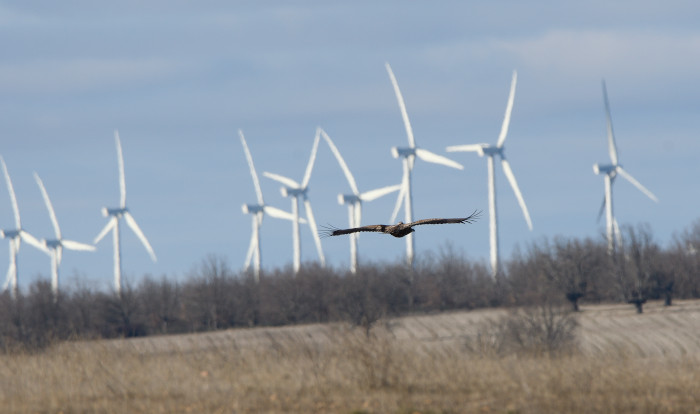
257	211
611	171
408	154
294	190
55	246
16	236
490	151
354	200
115	215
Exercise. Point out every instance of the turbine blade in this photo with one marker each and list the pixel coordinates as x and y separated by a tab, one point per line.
617	232
467	148
397	206
110	224
428	156
8	277
358	214
602	210
11	190
514	184
312	160
282	179
400	199
116	244
402	107
249	158
137	230
341	161
379	192
74	245
59	254
122	180
280	214
32	241
251	250
12	268
636	183
49	206
612	148
314	231
509	109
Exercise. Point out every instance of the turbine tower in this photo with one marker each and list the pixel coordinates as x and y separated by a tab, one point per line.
55	246
294	190
115	214
354	200
610	171
490	151
257	211
408	155
16	236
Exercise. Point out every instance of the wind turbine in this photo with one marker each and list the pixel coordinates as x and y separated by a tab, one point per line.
294	190
257	211
611	171
490	151
408	155
55	246
16	236
354	200
115	215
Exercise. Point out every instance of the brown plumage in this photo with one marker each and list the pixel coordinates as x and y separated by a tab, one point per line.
399	229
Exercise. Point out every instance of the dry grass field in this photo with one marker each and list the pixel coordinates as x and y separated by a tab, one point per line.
623	363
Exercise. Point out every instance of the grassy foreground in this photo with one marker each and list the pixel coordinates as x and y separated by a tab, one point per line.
342	371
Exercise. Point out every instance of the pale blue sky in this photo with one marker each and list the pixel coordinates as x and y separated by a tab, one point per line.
178	79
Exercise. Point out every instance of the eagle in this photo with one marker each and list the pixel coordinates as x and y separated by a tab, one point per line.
399	229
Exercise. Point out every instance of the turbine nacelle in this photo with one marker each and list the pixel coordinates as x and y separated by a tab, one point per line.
405	152
51	244
490	150
604	168
252	209
9	234
293	192
348	199
116	212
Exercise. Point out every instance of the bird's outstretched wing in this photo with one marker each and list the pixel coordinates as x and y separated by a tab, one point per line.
333	231
472	218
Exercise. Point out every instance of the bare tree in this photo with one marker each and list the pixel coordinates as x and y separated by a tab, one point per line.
636	264
161	302
363	300
529	275
685	261
121	314
574	267
210	295
450	281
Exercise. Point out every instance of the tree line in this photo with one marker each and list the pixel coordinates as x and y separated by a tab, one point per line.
213	296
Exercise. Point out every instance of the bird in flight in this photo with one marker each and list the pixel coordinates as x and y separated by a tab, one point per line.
399	229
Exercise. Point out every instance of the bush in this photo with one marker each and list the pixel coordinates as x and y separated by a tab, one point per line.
546	329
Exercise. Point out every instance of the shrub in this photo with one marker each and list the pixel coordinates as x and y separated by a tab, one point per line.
547	329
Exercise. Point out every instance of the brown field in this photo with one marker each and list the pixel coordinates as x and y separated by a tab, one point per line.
624	363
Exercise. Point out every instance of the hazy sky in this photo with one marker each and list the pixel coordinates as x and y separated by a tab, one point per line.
178	79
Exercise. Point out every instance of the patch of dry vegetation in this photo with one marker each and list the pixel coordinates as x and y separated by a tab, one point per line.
333	368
